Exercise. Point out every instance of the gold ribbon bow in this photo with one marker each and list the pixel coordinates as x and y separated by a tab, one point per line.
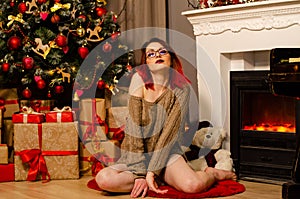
18	18
58	6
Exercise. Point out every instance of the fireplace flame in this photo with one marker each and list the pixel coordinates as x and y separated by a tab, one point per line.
285	128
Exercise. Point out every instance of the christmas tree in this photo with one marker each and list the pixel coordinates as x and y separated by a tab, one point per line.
44	42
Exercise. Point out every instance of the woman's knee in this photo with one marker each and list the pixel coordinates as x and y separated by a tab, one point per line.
103	179
194	186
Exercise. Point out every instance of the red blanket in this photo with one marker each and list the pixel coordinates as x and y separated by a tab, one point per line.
222	188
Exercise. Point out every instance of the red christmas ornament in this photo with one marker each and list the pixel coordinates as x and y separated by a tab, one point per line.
41	1
100	11
82	17
114	36
5	67
41	84
61	40
49	94
12	3
26	93
83	52
14	43
129	67
22	7
28	62
107	47
55	19
59	89
101	84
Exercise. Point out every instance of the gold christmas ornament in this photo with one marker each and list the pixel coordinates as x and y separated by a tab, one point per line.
80	31
102	1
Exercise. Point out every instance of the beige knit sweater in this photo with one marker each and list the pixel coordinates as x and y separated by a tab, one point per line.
154	131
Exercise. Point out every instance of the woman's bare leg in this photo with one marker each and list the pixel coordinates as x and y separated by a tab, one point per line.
115	179
180	176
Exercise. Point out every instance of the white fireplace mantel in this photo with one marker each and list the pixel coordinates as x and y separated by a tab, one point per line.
238	37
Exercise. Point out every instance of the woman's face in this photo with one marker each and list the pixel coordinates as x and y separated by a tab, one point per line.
157	57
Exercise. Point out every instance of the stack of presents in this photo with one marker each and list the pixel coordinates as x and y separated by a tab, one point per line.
42	142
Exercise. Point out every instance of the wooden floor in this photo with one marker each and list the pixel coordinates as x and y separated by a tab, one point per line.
77	189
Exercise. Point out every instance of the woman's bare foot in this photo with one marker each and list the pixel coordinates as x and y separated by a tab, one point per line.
221	174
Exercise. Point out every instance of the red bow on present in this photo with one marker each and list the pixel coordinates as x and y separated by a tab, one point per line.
2	103
118	133
91	130
37	164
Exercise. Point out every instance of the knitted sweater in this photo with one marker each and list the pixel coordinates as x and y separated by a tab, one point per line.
154	131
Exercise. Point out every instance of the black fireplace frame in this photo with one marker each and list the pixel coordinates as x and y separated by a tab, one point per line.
256	81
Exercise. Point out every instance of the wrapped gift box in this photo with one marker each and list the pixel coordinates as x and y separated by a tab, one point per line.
11	101
85	160
92	119
116	120
56	144
110	152
1	123
8	135
42	106
28	118
3	154
61	115
7	173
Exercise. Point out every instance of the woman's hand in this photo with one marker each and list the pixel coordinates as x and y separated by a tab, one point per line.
152	184
140	186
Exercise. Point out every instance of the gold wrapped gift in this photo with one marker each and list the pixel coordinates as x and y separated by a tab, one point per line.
8	132
116	120
3	154
85	163
11	101
92	119
53	145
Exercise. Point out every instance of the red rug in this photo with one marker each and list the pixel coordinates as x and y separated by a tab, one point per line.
220	189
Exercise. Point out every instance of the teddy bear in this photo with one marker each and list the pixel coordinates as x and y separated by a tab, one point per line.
205	150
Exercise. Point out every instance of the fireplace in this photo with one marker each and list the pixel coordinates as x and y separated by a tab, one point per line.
264	126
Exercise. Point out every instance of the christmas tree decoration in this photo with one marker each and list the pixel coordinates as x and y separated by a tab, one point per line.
80	31
14	43
59	89
101	84
47	41
55	19
5	67
107	47
41	84
83	52
27	93
22	7
61	40
101	11
28	62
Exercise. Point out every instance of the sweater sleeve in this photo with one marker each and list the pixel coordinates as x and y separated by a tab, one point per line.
172	132
133	145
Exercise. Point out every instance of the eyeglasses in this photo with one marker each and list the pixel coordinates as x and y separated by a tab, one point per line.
152	53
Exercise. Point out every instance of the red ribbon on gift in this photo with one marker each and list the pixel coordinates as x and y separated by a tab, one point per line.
35	159
98	160
118	133
2	103
96	120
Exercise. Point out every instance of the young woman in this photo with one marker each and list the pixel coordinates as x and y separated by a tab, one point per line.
151	150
